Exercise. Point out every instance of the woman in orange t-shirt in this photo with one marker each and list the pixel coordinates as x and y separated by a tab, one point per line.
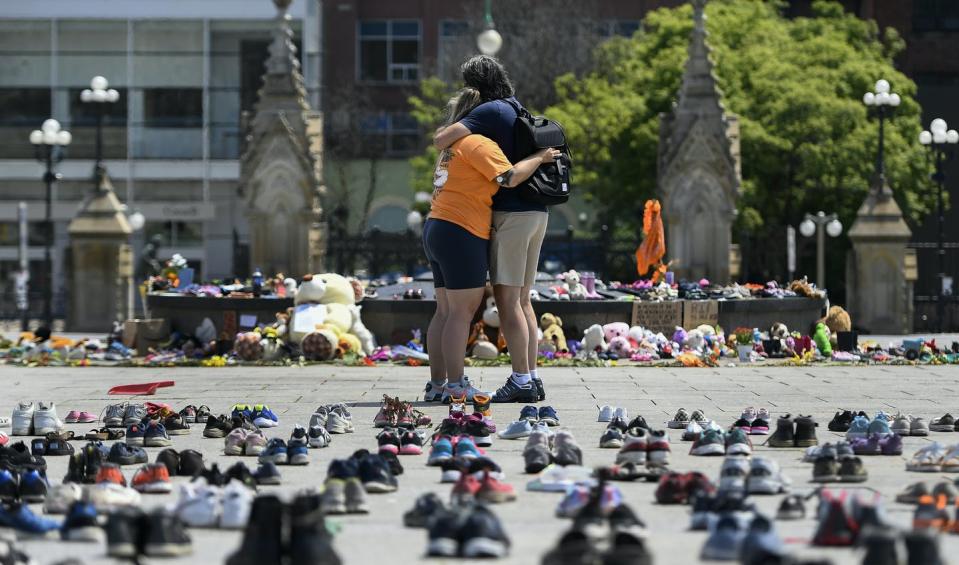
456	238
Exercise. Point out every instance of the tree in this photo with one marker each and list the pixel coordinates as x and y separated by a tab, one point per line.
428	109
796	86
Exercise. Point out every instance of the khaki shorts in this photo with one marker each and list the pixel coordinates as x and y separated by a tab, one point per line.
515	242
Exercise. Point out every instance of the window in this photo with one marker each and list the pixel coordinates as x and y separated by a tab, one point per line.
176	234
10	233
173	107
625	28
456	43
85	113
935	15
389	50
396	133
24	106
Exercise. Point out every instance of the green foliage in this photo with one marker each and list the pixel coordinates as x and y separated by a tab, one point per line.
807	143
428	108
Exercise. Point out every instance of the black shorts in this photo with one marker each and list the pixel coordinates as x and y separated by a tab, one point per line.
459	259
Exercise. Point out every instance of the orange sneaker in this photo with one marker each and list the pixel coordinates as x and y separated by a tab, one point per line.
931	513
153	478
481	405
110	473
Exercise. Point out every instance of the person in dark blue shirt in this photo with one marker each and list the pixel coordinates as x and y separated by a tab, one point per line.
518	230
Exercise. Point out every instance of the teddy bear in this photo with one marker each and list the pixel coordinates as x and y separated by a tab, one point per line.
248	346
614	330
308	312
483	348
491	313
694	341
319	345
679	336
621	347
575	288
554	339
593	340
361	332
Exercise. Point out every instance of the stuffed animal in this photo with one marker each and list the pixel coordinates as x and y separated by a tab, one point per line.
290	285
338	289
491	313
320	345
339	315
308	307
560	292
694	340
248	346
312	290
593	340
621	347
837	320
553	337
575	288
483	348
679	336
614	330
637	334
821	337
778	331
357	289
361	332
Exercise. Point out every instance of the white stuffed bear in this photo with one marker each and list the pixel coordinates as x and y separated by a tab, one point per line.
339	289
694	341
491	313
576	289
593	340
360	331
637	334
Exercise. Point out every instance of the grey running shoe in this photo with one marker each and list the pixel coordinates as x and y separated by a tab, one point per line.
113	415
134	414
338	424
334	497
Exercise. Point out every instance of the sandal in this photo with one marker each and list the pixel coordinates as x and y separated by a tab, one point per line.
104	434
66	435
928	459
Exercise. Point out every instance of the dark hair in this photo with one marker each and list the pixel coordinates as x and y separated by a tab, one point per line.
486	74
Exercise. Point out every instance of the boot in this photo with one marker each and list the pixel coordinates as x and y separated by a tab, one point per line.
310	541
263	536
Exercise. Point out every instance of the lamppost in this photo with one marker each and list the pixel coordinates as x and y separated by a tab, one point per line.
820	224
48	142
99	94
883	101
489	40
939	138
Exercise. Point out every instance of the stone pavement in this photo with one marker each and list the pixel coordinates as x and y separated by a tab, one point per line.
576	393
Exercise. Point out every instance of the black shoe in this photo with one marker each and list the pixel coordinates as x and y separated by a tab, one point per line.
623	519
123	454
840	422
537	458
540	389
240	472
191	463
75	469
806	432
922	548
263	537
638	422
513	392
213	476
170	459
95	454
343	469
217	427
573	548
393	461
375	475
445	532
618	423
425	507
627	549
176	426
124	528
791	508
483	535
166	536
242	421
785	434
81	524
310	541
880	546
59	447
267	474
18	456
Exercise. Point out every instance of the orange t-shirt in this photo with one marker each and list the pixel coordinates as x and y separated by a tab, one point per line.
465	181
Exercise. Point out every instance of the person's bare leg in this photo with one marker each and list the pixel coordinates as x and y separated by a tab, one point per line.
462	306
513	326
532	326
434	339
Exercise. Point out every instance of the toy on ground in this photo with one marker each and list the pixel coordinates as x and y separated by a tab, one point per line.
593	340
248	347
554	339
491	313
821	337
575	288
837	320
483	348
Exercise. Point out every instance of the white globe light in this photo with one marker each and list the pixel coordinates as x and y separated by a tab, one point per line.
86	95
489	42
414	219
112	95
64	138
894	99
939	137
925	137
136	220
50	125
807	228
99	83
882	99
36	137
834	228
952	136
99	95
422	197
50	137
938	124
882	86
869	99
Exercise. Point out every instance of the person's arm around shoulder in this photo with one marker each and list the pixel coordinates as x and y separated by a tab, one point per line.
490	161
448	135
480	121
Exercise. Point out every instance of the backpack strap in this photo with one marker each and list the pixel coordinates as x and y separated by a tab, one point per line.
520	111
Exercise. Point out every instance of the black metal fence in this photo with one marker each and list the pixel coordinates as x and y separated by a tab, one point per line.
926	287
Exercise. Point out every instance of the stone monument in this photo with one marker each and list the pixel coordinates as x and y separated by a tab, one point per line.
101	261
281	165
698	168
880	271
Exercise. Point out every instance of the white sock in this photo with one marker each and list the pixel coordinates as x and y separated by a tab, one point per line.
533	374
522	378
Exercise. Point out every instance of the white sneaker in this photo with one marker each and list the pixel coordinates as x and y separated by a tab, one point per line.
605	414
22	420
199	504
319	437
107	496
459	388
237	500
337	424
61	497
692	431
621	413
45	419
320	417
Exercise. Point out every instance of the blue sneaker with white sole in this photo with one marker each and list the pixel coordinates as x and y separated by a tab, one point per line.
9	490
19	517
33	486
859	428
276	452
466	448
263	417
442	452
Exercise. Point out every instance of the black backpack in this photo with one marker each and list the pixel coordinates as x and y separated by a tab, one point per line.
550	184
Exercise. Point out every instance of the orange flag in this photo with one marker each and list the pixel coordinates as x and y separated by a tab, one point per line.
650	252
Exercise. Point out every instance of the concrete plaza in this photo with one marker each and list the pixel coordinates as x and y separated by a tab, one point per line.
576	393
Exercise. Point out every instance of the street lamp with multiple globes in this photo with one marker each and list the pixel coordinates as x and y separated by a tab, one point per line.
49	142
884	102
820	223
940	139
489	40
99	94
